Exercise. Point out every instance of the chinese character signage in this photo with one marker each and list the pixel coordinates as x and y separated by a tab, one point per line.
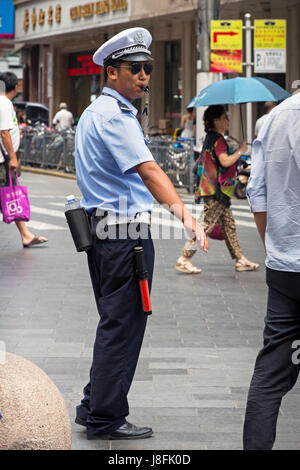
270	46
7	19
226	46
82	64
269	34
44	18
50	16
97	8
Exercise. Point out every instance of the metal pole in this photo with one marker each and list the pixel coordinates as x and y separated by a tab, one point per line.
25	156
44	147
191	174
65	149
207	11
248	28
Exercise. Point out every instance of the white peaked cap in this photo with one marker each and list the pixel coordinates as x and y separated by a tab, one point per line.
131	44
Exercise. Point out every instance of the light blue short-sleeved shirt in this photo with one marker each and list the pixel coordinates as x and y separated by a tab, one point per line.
109	143
274	185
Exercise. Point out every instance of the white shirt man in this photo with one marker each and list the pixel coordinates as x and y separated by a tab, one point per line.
274	196
9	144
8	121
63	119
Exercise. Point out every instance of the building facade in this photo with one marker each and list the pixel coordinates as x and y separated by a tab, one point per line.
58	37
9	61
288	10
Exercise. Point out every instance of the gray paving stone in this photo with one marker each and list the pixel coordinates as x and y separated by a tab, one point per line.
142	377
176	411
80	442
200	344
166	371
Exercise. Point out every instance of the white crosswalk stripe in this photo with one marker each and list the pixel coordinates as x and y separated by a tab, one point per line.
242	223
57	204
49	196
240	207
160	215
49	212
36	225
243	214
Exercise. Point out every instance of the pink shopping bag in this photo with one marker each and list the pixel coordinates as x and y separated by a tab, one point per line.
14	202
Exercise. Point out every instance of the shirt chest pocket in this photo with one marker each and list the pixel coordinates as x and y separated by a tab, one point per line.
278	155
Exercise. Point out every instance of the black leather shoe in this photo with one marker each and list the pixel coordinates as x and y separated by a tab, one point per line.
126	431
80	421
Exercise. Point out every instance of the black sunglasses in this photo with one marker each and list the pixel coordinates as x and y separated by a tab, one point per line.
136	67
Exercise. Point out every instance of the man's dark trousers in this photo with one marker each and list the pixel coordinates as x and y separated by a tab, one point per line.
120	330
276	369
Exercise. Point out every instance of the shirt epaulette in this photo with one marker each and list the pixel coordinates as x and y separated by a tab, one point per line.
122	106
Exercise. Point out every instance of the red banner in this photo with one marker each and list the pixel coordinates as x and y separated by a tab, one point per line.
226	61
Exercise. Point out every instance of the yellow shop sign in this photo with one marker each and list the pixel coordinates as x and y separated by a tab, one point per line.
269	34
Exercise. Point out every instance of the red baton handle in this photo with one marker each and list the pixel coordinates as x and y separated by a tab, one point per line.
141	274
145	296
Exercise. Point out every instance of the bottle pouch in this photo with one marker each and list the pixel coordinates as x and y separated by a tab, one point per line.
80	229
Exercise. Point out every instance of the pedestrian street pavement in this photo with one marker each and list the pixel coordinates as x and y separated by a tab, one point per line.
200	344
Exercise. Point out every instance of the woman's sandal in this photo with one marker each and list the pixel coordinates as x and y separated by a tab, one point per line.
186	267
37	240
245	265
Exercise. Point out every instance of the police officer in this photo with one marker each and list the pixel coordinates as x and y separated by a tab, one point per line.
114	166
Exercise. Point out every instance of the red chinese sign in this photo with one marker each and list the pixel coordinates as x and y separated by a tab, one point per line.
85	66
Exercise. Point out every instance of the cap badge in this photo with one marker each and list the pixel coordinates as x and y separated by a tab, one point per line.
139	38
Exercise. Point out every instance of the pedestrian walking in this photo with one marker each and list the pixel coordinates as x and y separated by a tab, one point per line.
188	124
218	171
268	106
63	119
9	145
114	166
274	196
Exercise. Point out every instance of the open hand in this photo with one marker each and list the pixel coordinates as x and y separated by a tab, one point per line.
197	234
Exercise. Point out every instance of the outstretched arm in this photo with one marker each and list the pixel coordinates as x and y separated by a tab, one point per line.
164	192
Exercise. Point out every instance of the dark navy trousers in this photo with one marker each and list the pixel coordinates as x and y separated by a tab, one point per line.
277	365
119	333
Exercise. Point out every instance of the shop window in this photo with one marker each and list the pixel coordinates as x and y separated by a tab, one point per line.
85	81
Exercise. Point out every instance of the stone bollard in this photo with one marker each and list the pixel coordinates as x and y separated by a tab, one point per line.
34	413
